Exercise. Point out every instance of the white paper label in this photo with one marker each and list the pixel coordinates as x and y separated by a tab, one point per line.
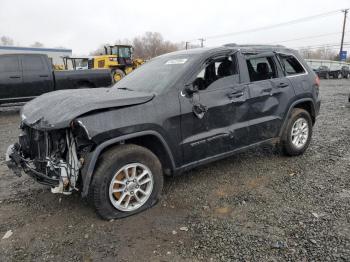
176	61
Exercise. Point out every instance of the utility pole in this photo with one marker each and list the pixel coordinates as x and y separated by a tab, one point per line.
345	11
186	45
202	41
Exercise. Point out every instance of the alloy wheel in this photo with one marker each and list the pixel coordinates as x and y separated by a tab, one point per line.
300	132
131	187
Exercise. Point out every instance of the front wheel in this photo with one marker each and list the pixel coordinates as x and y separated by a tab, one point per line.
298	132
128	180
117	75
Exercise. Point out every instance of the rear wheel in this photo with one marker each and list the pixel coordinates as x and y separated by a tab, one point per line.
128	180
298	132
117	75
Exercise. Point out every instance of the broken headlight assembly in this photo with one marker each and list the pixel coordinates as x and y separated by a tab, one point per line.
50	157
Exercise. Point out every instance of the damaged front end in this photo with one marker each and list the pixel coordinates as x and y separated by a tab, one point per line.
50	156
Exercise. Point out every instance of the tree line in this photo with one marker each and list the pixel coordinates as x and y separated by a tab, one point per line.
152	44
323	53
147	46
8	41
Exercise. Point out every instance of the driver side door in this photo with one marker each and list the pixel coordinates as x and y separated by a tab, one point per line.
213	120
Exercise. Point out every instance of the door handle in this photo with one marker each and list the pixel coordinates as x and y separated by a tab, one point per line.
235	94
282	85
14	77
266	90
43	75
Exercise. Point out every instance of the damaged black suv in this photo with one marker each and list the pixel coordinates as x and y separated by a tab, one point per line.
176	112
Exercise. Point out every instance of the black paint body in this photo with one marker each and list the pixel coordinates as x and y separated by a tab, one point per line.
239	113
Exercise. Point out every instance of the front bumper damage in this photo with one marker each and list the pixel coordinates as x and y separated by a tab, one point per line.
16	163
60	174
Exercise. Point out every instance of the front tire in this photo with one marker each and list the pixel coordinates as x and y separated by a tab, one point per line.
117	75
297	134
128	180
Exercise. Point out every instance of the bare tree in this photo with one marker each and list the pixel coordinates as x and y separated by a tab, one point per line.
149	45
5	40
320	53
190	46
152	44
123	42
37	44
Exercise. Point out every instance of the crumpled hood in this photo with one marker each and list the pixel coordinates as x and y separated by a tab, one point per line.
57	109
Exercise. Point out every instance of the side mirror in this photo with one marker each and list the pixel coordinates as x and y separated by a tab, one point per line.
190	89
198	84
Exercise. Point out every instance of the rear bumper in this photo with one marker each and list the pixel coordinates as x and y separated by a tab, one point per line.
16	163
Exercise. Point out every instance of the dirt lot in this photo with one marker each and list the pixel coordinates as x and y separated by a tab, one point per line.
255	206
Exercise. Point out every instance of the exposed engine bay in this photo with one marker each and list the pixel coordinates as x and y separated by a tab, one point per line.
53	147
50	157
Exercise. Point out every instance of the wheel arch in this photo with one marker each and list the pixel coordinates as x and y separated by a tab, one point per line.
307	104
151	140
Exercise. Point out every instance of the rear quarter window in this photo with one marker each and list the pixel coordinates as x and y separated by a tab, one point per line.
291	65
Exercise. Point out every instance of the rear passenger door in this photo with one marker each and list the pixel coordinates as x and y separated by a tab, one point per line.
10	77
37	75
270	92
296	73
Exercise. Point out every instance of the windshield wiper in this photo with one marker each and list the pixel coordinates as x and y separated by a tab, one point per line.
125	88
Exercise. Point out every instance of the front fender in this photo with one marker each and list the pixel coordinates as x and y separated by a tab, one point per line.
91	160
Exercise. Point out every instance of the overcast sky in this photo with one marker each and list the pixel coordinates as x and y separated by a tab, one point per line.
83	25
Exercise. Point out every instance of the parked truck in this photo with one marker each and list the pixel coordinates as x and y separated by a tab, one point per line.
26	76
329	69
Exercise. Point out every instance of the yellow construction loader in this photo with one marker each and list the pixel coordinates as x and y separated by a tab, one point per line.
118	58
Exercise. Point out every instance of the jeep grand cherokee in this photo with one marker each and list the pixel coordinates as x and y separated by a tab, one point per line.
176	112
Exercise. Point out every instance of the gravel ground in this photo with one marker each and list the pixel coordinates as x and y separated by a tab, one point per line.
255	206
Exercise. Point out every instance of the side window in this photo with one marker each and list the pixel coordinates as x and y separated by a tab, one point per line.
9	64
261	68
217	69
291	65
32	63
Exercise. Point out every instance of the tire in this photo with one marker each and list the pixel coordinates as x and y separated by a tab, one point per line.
111	165
289	141
117	75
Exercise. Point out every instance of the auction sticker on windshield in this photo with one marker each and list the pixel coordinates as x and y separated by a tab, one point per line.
176	61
